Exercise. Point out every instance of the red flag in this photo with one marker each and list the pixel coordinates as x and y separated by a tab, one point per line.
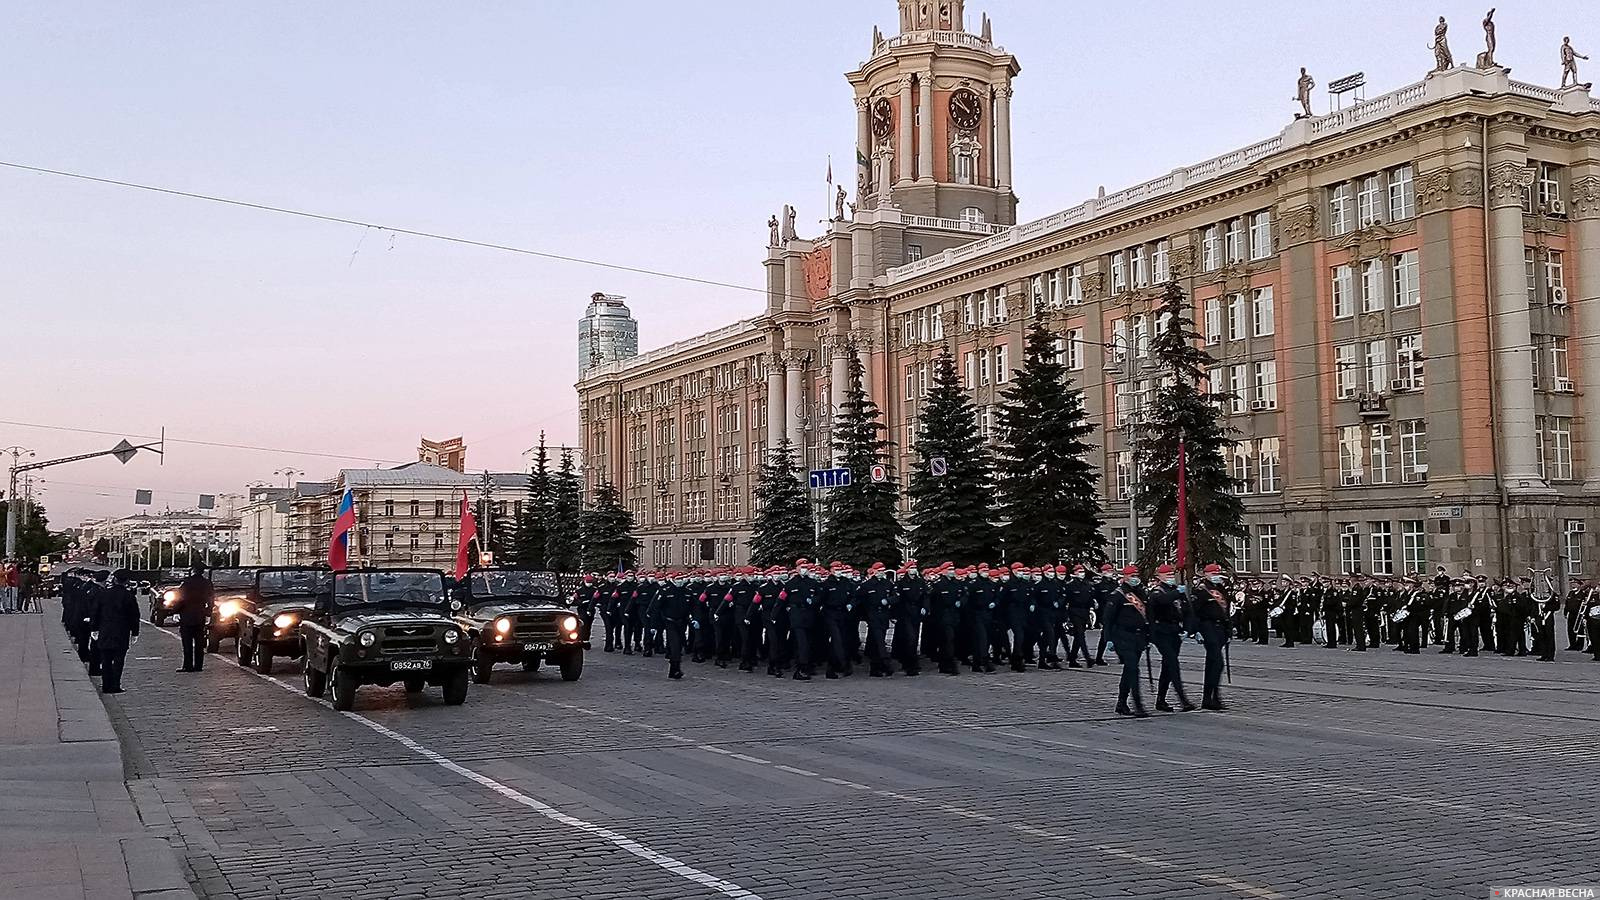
469	530
1183	507
344	522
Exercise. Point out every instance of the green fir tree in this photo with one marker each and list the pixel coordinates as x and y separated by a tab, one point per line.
562	546
1049	488
607	528
784	529
1182	412
859	524
952	514
529	551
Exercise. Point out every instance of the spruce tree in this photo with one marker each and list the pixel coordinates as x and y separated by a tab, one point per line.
952	515
561	542
1182	412
1049	488
784	530
529	552
859	524
607	527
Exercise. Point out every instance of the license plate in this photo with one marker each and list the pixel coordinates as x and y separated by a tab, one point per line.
410	665
542	645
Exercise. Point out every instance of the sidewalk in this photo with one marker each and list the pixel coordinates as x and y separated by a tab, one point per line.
68	829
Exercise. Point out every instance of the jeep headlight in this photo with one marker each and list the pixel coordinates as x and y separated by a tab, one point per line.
169	598
367	639
451	636
227	609
570	623
502	625
283	620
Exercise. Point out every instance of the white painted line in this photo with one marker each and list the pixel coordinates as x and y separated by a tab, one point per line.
793	771
751	759
1241	886
710	749
614	838
256	729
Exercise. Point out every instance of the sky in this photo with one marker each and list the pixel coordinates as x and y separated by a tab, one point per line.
642	133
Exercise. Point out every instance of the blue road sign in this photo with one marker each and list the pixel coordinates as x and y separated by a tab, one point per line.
829	478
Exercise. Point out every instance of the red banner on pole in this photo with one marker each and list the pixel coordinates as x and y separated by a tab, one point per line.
469	530
1183	507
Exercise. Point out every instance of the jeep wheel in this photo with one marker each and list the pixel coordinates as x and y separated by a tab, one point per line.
263	660
455	689
343	687
482	670
531	663
316	680
415	685
241	649
572	666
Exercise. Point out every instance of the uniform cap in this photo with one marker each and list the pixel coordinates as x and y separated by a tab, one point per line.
1130	571
1165	569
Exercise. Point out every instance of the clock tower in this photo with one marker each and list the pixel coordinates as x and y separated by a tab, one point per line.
933	108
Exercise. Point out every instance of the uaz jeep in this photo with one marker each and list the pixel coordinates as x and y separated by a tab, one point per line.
229	589
517	616
269	622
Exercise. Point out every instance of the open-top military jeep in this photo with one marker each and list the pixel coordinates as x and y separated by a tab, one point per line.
269	622
385	627
230	589
517	616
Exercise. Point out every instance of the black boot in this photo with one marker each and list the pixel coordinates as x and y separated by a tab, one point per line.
1163	706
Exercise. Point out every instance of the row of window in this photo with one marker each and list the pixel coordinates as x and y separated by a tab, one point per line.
1250	387
442	508
1371	454
1553	437
1381	535
1350	360
1258	317
1141	266
1555	280
1560	371
1262	540
1373	288
1388	196
1228	242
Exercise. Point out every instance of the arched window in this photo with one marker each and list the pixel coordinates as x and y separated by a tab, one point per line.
972	214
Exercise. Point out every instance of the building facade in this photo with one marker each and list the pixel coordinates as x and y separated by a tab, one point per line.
607	333
264	527
1396	295
165	539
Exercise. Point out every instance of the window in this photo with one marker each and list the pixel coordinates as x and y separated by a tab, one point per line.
1137	262
1402	193
972	214
1236	326
1414	546
1530	271
1540	426
1407	287
1549	187
1240	467
1270	466
1124	474
416	508
1372	298
1262	313
1035	294
1377	366
1339	210
1119	543
964	168
1141	336
913	252
388	508
983	366
1561	448
1052	288
438	509
1000	311
1382	547
1239	387
1408	361
1119	274
1344	301
1123	403
1344	367
1572	544
1119	340
970	360
1235	240
1241	552
1267	547
1163	262
1413	450
1267	384
1349	548
1352	466
1554	277
1382	441
1075	349
1368	204
1002	364
1261	235
970	311
1210	250
1213	318
1074	285
1558	361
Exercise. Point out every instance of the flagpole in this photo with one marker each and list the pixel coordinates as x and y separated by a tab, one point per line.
827	193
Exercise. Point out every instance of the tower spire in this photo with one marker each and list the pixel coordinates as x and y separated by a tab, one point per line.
932	15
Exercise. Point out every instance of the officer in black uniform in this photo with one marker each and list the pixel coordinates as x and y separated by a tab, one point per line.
670	607
1166	609
82	611
802	606
775	607
876	598
1106	597
946	597
838	603
753	619
1080	603
114	623
1130	636
1211	613
1017	603
194	617
910	608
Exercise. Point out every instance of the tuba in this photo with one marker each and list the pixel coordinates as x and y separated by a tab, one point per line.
1465	612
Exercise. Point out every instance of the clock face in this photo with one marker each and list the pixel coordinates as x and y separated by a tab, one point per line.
882	118
966	110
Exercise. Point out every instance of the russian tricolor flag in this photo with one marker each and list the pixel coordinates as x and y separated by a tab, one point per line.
344	522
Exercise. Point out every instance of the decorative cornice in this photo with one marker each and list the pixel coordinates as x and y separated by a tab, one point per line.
1507	182
1371	242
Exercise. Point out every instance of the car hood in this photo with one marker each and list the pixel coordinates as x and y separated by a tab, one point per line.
514	607
285	604
398	617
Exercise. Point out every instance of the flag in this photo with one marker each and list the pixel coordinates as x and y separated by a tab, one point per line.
1183	507
469	530
861	160
344	522
830	168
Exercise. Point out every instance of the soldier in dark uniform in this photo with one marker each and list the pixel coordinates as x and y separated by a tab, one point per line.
1107	597
702	619
838	604
946	597
632	601
802	606
1211	613
1167	611
114	623
910	608
1016	603
731	599
1333	610
876	598
1080	602
753	620
775	608
1359	604
1289	620
1474	598
1130	636
1505	603
983	600
1591	616
1046	624
82	611
1545	610
671	608
1572	608
194	617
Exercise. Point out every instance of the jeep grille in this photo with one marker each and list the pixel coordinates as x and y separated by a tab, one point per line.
409	639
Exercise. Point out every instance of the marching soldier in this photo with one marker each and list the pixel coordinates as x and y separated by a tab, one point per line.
1333	609
1049	606
876	597
1211	613
776	611
946	597
1167	610
1573	608
802	606
1592	616
114	623
1080	601
670	608
1130	638
910	609
1017	601
838	596
1107	597
752	620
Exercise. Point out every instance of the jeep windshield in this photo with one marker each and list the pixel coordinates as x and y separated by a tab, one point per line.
233	579
489	586
388	589
292	583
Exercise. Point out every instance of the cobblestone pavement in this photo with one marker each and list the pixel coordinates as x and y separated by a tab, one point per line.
1334	774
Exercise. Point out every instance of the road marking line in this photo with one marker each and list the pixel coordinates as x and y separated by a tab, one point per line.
792	770
712	749
751	759
1241	886
614	838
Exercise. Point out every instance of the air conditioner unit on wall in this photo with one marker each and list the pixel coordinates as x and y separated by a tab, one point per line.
1399	386
1558	296
1558	208
1564	385
1259	406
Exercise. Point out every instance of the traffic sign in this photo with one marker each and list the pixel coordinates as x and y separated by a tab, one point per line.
938	467
124	451
880	474
822	479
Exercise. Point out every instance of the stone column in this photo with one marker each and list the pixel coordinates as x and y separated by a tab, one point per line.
794	406
906	116
776	393
1512	327
863	136
838	380
1002	136
925	133
1584	208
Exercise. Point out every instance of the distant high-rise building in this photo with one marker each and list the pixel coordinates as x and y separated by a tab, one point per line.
450	454
607	333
